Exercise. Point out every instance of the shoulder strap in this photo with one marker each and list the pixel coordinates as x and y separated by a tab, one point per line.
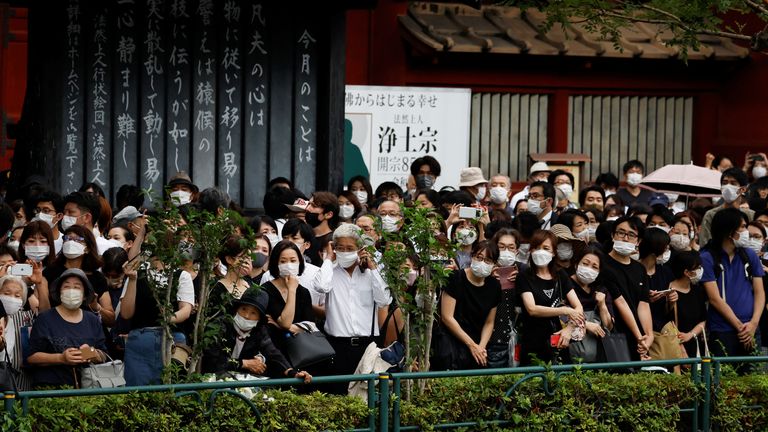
747	264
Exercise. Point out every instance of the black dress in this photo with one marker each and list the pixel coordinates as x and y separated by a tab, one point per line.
691	310
303	311
536	331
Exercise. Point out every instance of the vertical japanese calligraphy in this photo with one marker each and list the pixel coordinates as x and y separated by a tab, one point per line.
126	105
230	66
99	101
305	129
153	97
72	162
204	95
179	82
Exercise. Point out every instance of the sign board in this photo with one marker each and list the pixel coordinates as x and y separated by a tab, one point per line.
387	128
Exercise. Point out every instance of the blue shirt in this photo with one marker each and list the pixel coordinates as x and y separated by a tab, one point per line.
738	288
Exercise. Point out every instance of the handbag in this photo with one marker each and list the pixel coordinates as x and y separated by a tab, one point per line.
103	375
586	349
666	345
615	347
9	376
308	348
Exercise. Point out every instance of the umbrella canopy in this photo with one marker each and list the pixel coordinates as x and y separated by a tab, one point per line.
688	180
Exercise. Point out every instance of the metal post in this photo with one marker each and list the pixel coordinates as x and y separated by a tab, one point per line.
371	404
396	406
696	377
384	402
706	370
10	403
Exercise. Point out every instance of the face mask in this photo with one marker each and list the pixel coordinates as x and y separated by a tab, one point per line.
179	198
586	275
583	235
635	256
346	259
481	269
346	211
534	206
274	239
498	195
115	282
679	242
592	231
11	304
466	236
564	251
389	224
664	257
678	207
13	244
361	196
19	223
541	257
45	218
633	179
743	241
663	228
288	269
37	253
72	249
244	325
611	219
480	193
67	221
313	219
523	253
609	193
672	197
424	181
506	258
759	171
623	248
697	275
756	245
259	260
730	193
566	189
71	298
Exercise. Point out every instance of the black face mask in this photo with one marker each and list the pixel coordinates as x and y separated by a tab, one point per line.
424	181
313	219
259	260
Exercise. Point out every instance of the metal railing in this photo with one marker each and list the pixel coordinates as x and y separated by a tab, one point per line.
384	394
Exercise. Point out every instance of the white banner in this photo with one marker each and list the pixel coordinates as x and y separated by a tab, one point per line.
393	126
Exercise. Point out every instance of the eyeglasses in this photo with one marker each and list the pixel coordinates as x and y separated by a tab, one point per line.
511	248
485	260
625	234
44	211
535	196
345	250
76	238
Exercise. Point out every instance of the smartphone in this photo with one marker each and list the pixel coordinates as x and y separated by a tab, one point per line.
470	213
554	340
666	291
21	270
756	158
89	353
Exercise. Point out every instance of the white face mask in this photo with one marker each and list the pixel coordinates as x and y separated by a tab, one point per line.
499	194
756	245
72	249
730	193
389	224
523	253
564	251
480	193
67	221
288	269
481	269
180	197
759	171
244	325
45	218
274	239
664	257
566	189
534	206
346	259
583	235
635	256
679	242
37	252
611	219
672	197
541	257
663	228
346	211
634	179
623	248
71	298
11	304
13	244
361	196
697	276
506	258
678	207
466	236
586	275
743	241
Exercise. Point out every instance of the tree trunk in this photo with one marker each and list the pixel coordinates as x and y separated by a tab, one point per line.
195	364
408	357
428	316
166	342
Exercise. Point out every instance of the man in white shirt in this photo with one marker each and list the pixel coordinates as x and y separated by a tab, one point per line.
83	208
357	290
539	172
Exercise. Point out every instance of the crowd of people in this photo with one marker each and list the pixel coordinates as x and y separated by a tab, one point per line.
545	267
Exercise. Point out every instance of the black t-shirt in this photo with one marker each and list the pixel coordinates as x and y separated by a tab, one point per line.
473	303
629	281
644	197
316	247
660	281
549	293
691	310
303	310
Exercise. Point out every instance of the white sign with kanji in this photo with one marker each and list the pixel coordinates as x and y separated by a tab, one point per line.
387	128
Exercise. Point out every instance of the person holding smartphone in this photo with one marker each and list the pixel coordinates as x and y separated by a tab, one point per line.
506	240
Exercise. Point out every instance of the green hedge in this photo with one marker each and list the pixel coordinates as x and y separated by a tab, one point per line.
581	402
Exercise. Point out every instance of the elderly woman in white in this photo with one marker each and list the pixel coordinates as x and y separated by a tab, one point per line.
13	296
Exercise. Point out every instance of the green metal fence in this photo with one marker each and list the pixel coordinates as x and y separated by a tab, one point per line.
385	390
